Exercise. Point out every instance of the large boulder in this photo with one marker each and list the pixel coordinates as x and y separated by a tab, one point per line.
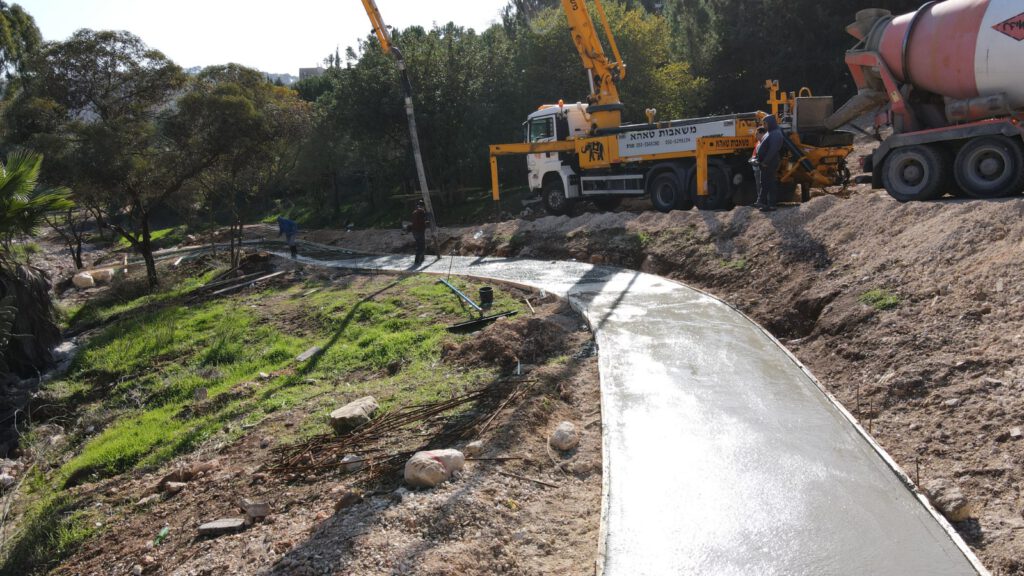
431	467
103	276
83	280
353	415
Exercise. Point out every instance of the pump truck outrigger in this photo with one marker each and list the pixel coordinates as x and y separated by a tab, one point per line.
582	151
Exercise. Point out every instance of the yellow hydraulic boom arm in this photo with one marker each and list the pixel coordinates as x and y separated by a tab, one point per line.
605	107
385	43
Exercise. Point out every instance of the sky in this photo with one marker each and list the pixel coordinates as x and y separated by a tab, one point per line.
278	37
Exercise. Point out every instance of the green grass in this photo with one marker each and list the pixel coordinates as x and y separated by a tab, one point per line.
736	264
137	378
163	238
880	299
52	529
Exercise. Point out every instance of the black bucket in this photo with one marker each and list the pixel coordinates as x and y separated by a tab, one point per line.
486	297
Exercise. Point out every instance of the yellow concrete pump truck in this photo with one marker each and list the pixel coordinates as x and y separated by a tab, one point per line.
583	151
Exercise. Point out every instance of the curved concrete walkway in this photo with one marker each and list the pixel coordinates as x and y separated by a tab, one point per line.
722	454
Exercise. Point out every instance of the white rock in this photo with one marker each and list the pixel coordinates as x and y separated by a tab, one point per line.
83	280
352	463
6	480
429	468
103	276
474	449
353	415
564	437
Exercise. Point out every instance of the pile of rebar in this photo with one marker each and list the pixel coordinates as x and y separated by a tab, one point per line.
385	443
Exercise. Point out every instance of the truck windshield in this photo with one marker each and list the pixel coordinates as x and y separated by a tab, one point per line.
542	129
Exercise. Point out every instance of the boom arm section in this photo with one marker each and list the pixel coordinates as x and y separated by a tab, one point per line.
605	107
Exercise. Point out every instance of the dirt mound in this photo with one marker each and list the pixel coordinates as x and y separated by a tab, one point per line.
508	342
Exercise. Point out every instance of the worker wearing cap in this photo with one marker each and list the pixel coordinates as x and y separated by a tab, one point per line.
419	229
768	158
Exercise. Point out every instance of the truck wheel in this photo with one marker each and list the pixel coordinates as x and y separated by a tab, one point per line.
719	195
555	201
667	193
990	167
607	203
913	173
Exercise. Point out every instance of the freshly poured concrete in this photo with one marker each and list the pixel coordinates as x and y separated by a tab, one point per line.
721	454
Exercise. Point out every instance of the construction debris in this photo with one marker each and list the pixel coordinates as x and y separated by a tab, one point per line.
353	415
564	437
309	353
254	510
948	499
222	526
430	468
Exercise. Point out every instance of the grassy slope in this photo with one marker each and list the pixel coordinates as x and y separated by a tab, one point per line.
136	381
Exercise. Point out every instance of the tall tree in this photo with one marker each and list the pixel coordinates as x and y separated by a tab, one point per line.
19	37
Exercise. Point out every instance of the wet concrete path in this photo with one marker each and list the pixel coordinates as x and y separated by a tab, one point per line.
722	455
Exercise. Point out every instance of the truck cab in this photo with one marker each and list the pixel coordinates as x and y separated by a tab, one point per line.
551	170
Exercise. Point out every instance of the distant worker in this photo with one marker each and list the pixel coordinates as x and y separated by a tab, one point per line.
289	228
761	132
768	159
419	229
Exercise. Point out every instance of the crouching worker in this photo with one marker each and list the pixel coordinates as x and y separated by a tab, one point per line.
289	228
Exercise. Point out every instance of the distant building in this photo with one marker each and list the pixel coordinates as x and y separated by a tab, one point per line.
311	72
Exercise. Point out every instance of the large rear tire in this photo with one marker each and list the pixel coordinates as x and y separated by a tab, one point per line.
914	173
990	167
555	201
667	193
719	196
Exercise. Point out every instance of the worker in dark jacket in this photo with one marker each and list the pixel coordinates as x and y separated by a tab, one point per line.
768	158
289	228
419	229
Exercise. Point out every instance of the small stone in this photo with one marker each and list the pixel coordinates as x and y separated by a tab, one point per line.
915	426
265	442
951	403
137	570
353	415
174	487
148	500
1016	433
473	449
347	499
264	376
222	526
148	560
254	509
309	353
103	276
564	437
6	480
352	463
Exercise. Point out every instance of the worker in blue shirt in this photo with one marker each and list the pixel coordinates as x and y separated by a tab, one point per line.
289	228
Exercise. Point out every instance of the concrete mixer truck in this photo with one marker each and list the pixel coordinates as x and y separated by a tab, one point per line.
949	80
